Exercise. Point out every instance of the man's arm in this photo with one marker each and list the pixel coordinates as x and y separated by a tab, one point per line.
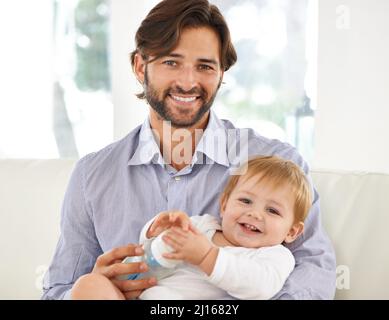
77	248
314	276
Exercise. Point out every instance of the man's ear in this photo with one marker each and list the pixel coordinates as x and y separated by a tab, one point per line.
294	232
139	68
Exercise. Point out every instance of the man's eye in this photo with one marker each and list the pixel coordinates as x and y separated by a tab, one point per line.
204	67
170	63
272	211
245	200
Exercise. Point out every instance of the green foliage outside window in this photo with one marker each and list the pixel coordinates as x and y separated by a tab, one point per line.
91	23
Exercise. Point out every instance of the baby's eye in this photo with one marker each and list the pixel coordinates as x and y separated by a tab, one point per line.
245	200
272	211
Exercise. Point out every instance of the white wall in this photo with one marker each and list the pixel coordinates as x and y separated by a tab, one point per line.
352	123
129	111
26	79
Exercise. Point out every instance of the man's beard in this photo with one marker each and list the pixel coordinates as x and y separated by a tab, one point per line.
162	109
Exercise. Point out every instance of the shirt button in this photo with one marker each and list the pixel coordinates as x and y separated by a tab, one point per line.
177	178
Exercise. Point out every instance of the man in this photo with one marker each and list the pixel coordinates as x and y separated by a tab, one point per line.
182	50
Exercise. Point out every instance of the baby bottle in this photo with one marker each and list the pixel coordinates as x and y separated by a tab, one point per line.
159	266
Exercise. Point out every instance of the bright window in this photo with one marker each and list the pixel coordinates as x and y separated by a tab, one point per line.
55	67
56	99
270	88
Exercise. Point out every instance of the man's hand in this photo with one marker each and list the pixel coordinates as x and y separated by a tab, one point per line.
168	219
109	265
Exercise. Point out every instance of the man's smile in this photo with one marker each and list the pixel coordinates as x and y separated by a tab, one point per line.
184	100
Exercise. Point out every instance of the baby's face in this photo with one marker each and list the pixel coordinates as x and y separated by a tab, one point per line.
257	215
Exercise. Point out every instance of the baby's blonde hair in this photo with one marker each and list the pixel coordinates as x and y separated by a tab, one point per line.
276	172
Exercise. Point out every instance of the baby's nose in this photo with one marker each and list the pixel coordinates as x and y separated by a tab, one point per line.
255	214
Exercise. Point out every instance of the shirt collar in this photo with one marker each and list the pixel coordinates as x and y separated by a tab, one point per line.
148	150
213	145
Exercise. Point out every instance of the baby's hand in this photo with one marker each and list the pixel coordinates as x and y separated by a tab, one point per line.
168	219
190	246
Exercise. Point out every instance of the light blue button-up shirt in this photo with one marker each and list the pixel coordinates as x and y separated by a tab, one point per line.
112	193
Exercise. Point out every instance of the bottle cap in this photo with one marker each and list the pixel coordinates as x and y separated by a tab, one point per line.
158	247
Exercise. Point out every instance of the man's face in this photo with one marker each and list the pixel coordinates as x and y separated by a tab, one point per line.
182	86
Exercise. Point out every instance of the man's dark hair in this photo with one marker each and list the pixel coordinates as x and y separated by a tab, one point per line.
159	32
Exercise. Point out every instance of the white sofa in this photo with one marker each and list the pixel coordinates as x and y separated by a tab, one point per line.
355	212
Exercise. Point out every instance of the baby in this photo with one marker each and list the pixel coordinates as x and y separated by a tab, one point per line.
244	257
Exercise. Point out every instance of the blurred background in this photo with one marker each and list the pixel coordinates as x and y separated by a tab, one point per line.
309	72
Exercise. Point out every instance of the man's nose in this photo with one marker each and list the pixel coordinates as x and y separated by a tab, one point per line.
187	79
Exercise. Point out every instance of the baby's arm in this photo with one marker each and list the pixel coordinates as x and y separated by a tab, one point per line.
244	274
258	275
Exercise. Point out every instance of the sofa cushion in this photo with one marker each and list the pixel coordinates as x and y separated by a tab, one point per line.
355	214
31	193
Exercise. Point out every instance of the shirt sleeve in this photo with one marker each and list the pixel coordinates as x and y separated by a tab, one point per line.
258	275
206	224
78	247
